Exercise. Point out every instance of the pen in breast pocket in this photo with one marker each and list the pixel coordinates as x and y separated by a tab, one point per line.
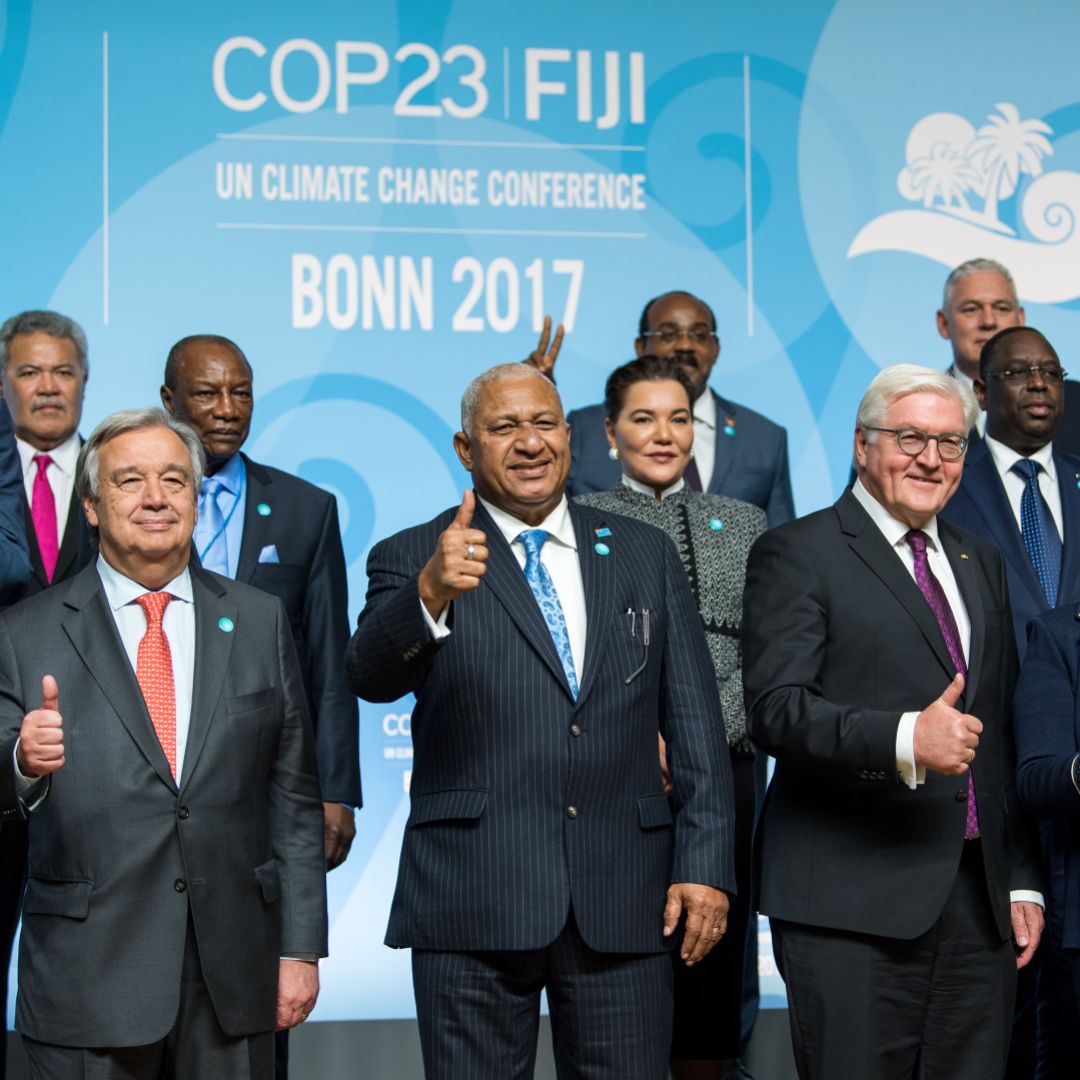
633	621
645	625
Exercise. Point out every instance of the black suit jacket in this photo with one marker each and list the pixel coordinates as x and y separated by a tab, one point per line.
751	464
301	521
838	643
76	548
525	801
120	853
981	506
14	559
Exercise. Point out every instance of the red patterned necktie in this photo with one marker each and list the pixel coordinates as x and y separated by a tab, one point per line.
43	515
154	671
939	605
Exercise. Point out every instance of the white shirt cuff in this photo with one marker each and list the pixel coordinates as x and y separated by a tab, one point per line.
1027	896
436	627
910	774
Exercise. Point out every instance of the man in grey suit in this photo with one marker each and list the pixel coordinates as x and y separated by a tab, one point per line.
154	727
547	645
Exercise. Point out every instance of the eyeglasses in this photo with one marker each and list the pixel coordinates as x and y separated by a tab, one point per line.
913	442
668	335
1018	375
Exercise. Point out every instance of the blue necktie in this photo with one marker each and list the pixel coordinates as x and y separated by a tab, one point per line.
1040	533
210	533
543	588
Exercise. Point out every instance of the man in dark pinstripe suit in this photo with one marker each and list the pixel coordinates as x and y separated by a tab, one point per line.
541	852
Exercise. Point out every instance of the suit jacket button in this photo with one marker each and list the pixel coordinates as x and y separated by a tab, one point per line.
575	729
183	813
571	812
961	796
180	885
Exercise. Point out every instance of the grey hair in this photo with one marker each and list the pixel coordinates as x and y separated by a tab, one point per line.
498	373
976	266
899	380
44	322
87	469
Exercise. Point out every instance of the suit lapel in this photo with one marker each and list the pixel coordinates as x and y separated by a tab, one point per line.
72	539
37	567
213	648
965	572
258	491
506	581
598	580
982	486
1068	477
90	627
869	544
725	451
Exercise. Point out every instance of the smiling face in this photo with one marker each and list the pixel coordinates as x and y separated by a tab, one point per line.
693	343
146	506
912	489
212	393
43	382
654	433
980	304
1024	415
519	449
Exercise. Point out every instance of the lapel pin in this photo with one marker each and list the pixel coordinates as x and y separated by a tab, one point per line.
716	524
729	426
601	549
963	555
264	509
226	625
603	532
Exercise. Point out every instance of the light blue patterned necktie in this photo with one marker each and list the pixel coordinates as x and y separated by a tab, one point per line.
213	551
1040	533
543	588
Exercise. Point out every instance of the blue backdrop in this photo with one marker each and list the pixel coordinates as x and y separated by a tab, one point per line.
379	200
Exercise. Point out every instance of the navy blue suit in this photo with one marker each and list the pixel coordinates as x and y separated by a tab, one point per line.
751	464
981	506
14	554
531	809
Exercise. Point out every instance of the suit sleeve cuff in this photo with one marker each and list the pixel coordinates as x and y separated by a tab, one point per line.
30	789
1027	896
436	627
910	774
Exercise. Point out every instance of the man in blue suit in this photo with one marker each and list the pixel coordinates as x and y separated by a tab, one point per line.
737	452
1020	387
547	645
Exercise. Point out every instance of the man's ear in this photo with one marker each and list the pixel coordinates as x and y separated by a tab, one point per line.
463	449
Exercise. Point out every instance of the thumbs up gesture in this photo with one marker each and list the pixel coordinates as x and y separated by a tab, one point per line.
945	738
41	737
459	561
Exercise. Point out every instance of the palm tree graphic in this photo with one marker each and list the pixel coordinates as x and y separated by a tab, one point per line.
944	174
1004	148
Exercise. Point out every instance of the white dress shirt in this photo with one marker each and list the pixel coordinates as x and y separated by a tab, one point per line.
178	623
705	436
559	554
61	474
1005	458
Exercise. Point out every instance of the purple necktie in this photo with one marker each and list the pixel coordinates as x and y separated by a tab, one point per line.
43	514
939	605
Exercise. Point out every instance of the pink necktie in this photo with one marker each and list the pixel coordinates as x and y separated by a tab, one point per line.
43	514
153	669
939	605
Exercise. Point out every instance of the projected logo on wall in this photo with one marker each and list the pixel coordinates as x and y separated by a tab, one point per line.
965	179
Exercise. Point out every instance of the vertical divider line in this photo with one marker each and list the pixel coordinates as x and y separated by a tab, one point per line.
105	177
748	175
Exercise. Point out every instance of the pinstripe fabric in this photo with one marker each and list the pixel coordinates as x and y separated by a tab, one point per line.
493	857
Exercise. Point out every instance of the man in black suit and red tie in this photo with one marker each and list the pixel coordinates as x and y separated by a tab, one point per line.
879	663
43	372
547	645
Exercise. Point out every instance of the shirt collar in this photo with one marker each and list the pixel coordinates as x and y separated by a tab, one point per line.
231	475
64	456
1005	457
704	409
644	489
557	524
894	530
120	590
